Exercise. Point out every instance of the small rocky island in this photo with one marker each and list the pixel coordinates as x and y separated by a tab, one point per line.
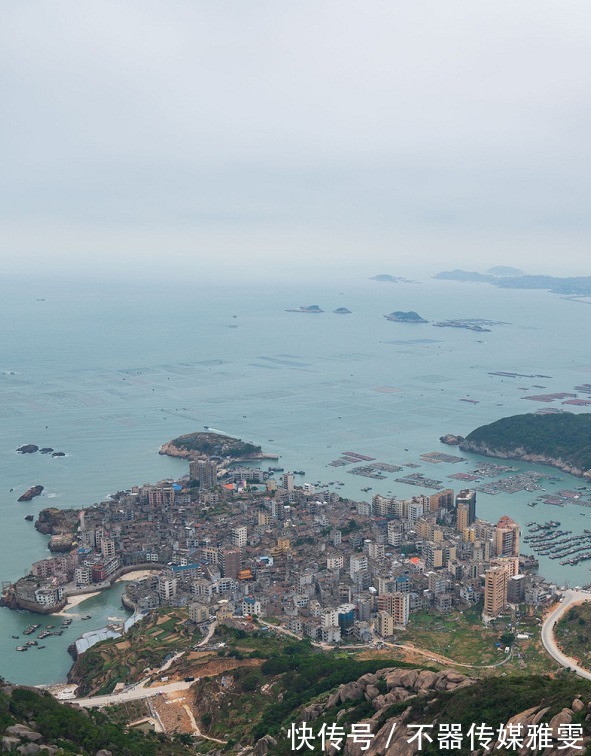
27	449
562	440
307	308
31	493
202	445
451	440
405	317
32	448
342	311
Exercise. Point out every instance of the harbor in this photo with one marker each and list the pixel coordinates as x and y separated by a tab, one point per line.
547	540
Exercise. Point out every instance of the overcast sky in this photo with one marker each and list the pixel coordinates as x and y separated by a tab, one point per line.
283	138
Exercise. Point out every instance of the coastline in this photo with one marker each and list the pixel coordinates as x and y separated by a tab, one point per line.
78	595
537	459
72	601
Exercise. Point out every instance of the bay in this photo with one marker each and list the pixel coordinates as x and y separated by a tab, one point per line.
107	374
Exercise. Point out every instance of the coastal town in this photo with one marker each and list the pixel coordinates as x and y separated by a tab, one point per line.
234	541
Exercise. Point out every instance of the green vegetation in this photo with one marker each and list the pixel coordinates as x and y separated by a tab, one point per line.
573	634
77	732
495	700
458	636
147	644
562	436
264	700
215	445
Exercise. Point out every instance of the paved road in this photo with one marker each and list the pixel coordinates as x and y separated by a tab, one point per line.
432	656
132	694
570	598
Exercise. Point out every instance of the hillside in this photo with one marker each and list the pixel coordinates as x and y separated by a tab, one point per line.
251	689
258	709
32	721
562	440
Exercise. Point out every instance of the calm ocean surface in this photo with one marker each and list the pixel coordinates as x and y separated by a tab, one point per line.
108	374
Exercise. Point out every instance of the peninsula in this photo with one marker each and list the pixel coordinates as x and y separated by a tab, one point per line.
560	440
571	285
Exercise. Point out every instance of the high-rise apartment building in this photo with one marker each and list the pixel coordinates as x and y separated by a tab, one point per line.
462	516
495	591
440	499
384	624
239	536
205	471
231	562
507	537
467	498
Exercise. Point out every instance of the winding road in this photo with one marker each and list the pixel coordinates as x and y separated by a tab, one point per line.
139	690
570	598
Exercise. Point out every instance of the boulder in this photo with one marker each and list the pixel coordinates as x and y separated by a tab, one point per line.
333	700
563	717
409	678
9	743
263	746
453	676
350	692
368	679
537	718
22	731
378	702
371	692
314	711
425	680
577	705
29	749
393	678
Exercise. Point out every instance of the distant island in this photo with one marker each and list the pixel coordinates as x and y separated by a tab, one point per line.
387	278
201	445
309	308
342	311
405	317
468	324
576	285
561	440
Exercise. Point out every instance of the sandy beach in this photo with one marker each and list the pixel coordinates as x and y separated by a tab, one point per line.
137	575
75	600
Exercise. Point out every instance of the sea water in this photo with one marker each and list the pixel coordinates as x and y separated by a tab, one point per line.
107	374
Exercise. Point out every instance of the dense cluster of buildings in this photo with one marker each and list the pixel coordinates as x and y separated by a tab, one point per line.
237	542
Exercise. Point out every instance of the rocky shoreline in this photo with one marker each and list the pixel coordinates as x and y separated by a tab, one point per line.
521	454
